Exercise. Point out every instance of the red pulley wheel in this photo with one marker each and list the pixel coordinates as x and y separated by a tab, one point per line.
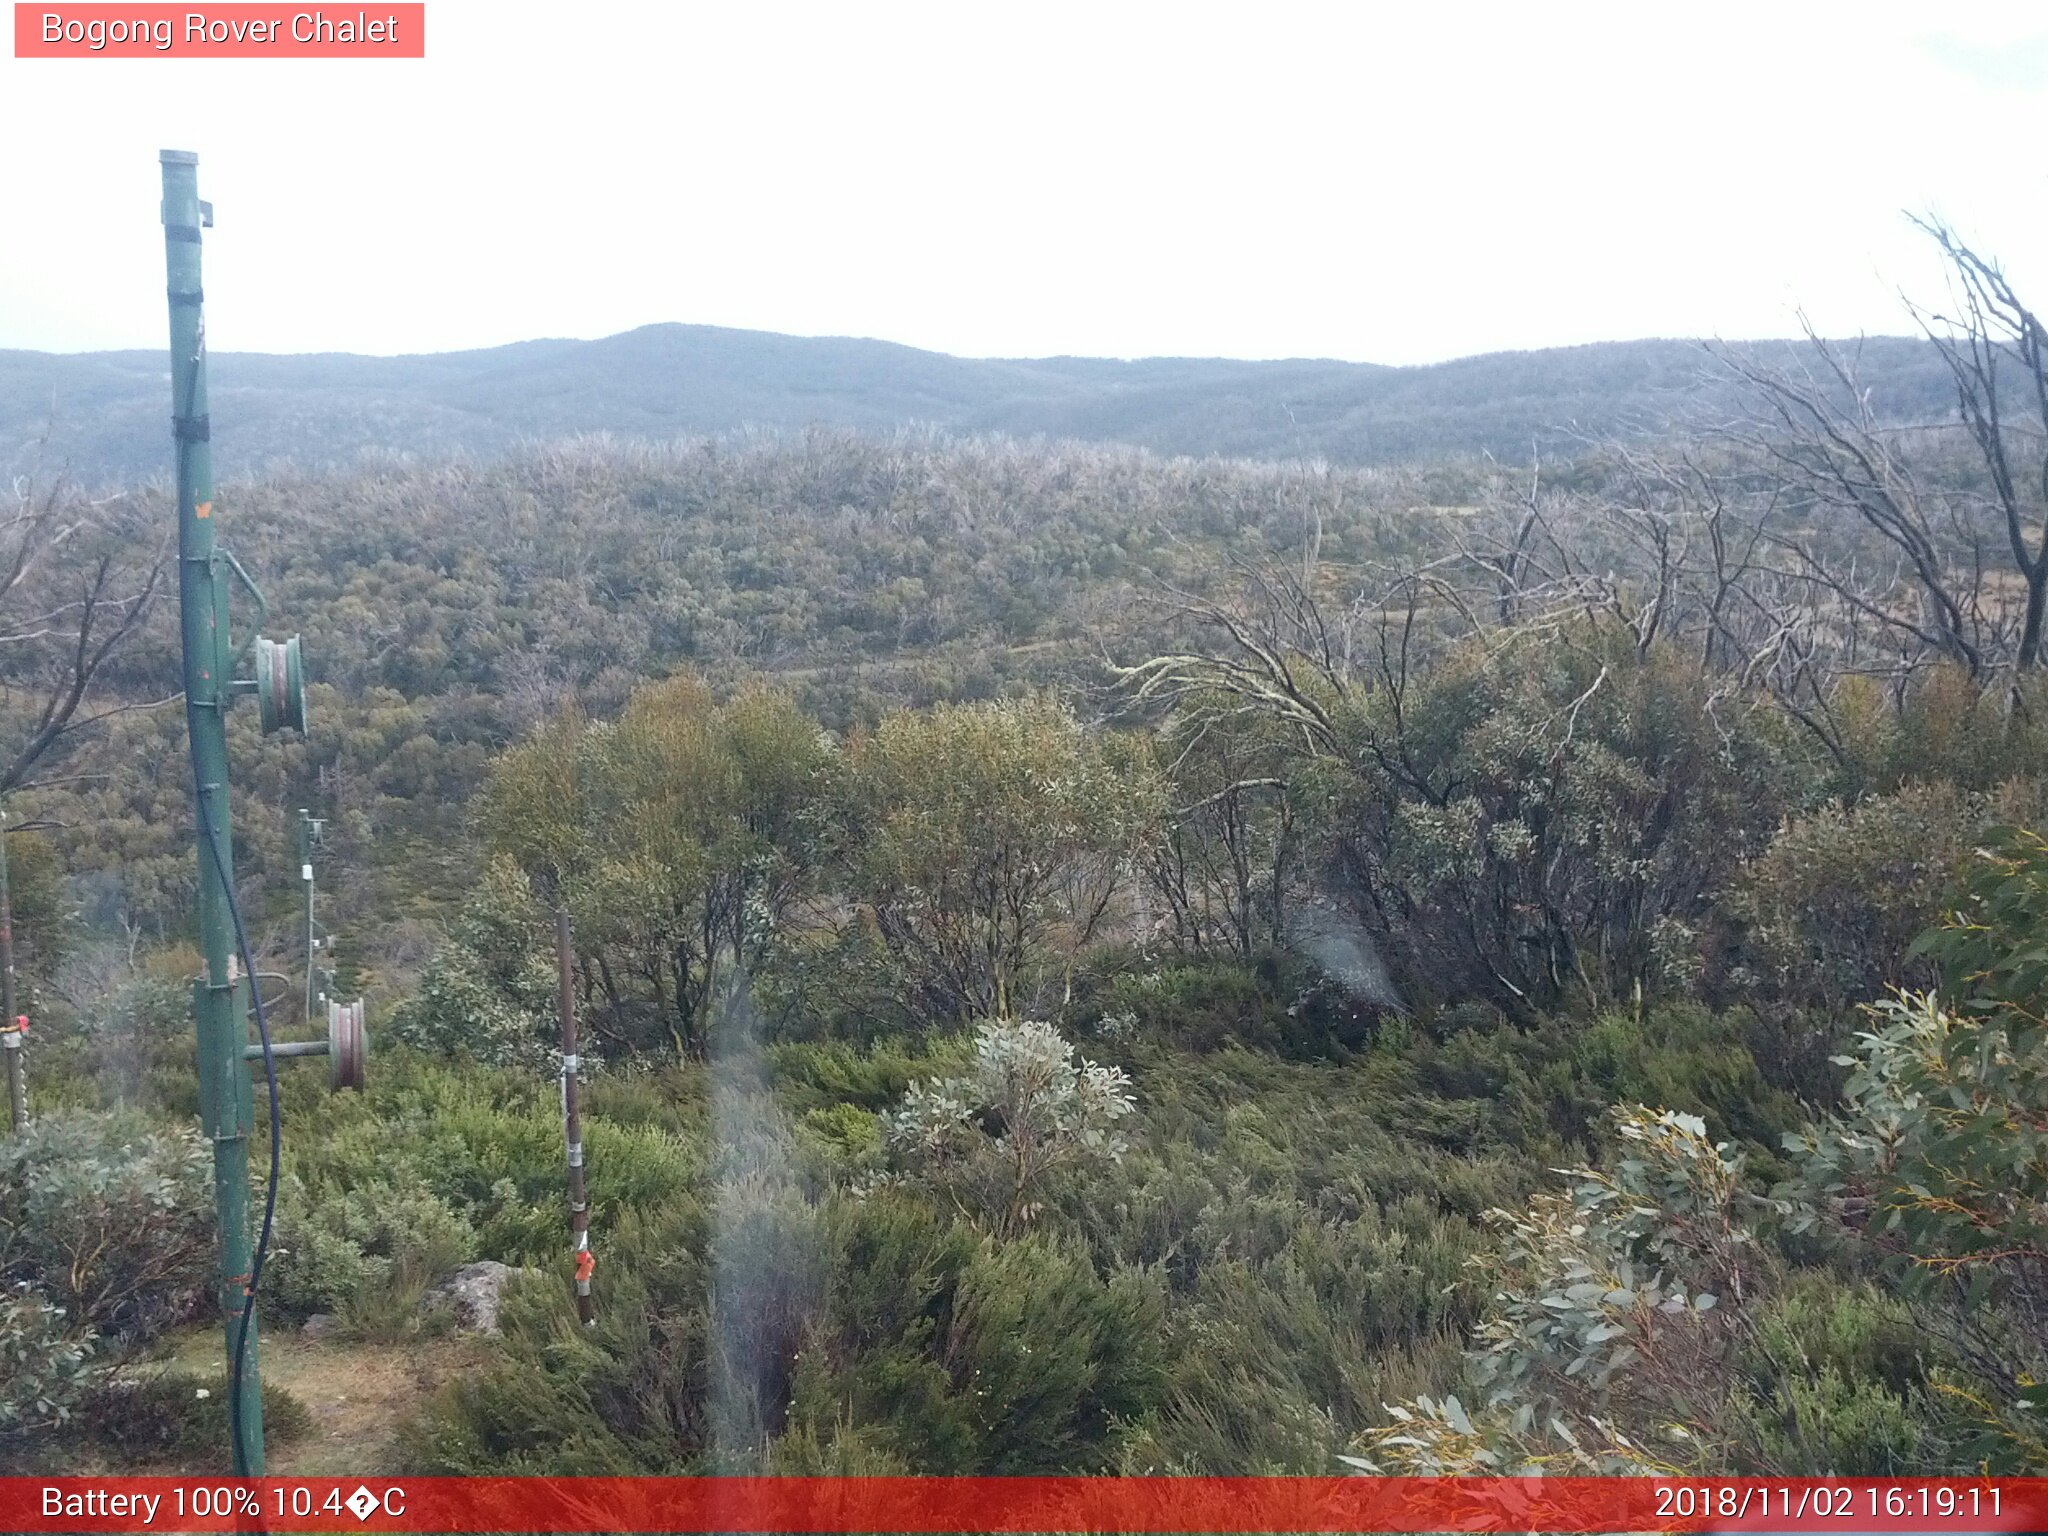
347	1045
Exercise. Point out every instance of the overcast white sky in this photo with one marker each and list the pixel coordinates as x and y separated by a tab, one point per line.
1375	181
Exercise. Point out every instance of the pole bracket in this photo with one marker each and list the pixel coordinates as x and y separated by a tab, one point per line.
227	558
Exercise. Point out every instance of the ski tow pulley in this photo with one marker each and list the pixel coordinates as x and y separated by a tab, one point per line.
346	1047
347	1044
280	685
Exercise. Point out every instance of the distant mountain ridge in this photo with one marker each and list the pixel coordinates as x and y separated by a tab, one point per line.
107	412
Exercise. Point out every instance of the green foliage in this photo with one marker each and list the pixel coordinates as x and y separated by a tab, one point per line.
1276	1003
488	1148
127	1046
963	1356
1990	949
1534	819
993	1137
374	1243
682	838
851	1135
1302	1249
1608	1347
808	1077
1680	1056
1932	1163
867	1330
44	924
111	1217
1851	1372
835	983
1273	1354
1606	1317
989	842
180	1418
1832	908
1575	846
1628	1264
43	1363
489	995
1948	728
1934	1141
1312	1241
1642	1323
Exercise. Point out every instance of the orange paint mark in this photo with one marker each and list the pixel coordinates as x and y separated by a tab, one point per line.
204	509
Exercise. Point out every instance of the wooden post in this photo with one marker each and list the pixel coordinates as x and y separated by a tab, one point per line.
572	1121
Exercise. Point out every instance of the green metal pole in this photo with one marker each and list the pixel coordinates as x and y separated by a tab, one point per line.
306	879
10	1031
225	1101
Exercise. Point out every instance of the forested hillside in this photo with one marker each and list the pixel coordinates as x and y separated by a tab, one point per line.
104	411
1088	961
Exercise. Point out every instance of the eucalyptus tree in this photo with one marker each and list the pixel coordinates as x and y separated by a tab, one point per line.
990	843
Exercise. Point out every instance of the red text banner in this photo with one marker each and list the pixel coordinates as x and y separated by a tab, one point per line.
1022	1504
224	31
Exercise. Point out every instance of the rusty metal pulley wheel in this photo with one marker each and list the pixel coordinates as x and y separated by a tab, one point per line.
348	1044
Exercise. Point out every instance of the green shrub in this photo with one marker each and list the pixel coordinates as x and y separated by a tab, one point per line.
42	1363
1830	911
1530	819
959	1355
1606	1326
839	1144
807	1076
1273	1002
987	840
163	1417
1023	1112
130	1047
363	1251
489	995
1932	1166
1048	1359
1681	1056
763	1332
1843	1374
489	1145
666	1096
1274	1355
111	1217
1850	1428
835	984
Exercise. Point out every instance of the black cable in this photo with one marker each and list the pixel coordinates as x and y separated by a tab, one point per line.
276	1144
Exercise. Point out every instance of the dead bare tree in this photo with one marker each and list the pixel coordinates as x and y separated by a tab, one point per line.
1958	509
1816	425
1985	334
79	579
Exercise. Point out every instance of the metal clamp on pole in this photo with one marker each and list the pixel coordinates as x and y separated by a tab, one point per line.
13	1037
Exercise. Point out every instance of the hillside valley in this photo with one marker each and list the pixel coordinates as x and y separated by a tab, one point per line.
104	411
1090	956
